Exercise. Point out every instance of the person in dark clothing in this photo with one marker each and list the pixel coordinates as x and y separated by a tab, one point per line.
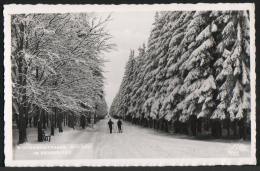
119	125
110	125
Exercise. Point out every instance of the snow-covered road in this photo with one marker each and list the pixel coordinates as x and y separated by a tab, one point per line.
134	142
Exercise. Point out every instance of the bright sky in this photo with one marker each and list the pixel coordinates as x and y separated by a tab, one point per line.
129	30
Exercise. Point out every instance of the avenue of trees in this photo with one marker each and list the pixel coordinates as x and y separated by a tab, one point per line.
57	70
193	76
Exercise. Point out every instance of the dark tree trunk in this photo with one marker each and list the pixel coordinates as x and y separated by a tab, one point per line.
64	119
177	126
43	119
242	129
73	121
163	125
22	129
26	117
23	113
67	119
83	121
199	125
23	119
35	119
47	119
159	124
219	128
69	123
228	127
30	122
19	30
213	128
40	131
166	126
55	118
235	128
193	126
40	137
52	125
60	122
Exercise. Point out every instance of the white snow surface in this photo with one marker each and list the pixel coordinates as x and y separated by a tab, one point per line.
134	142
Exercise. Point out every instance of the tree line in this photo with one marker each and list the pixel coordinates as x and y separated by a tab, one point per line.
193	77
57	69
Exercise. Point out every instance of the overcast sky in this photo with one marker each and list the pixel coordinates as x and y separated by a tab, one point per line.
129	30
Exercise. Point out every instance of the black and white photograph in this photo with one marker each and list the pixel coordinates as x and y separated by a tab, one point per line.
129	85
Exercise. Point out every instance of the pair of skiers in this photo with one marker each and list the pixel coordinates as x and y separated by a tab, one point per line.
119	125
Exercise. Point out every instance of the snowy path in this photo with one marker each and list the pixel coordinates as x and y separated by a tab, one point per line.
134	142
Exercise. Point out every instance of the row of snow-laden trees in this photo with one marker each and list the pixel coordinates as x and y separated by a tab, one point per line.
57	69
193	78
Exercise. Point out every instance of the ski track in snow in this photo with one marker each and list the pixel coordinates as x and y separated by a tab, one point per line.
134	142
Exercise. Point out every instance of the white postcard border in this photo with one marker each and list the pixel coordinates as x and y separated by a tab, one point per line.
17	9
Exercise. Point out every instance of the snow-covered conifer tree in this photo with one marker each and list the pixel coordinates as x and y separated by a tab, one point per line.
195	70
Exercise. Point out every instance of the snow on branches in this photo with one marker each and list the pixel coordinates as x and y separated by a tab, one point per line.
57	60
196	63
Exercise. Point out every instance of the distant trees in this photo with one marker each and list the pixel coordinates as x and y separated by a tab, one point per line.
193	77
101	108
56	67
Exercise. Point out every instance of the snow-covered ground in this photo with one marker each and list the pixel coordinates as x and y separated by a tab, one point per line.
134	142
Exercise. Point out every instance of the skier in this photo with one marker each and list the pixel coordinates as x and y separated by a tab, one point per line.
119	124
110	125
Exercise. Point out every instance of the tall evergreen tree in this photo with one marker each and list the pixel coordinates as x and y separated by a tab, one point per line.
195	69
